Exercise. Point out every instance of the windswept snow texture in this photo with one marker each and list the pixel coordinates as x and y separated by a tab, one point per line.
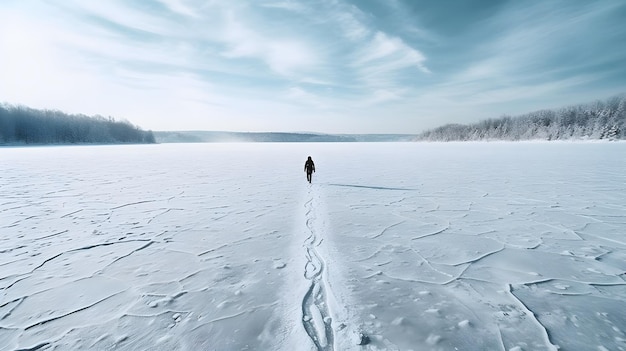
404	246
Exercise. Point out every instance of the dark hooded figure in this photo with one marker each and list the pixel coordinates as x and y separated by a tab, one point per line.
309	168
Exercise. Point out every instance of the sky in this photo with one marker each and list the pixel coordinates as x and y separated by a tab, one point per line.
330	66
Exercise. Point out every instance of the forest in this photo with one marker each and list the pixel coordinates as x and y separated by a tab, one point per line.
23	125
598	120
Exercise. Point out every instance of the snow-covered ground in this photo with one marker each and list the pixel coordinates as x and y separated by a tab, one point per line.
404	246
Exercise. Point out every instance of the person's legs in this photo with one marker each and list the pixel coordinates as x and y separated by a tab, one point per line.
308	176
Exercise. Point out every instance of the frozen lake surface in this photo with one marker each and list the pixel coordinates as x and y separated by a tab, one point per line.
407	246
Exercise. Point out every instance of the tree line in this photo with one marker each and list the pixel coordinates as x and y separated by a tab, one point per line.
23	125
598	120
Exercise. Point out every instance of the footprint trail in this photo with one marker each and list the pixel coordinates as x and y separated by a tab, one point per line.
316	317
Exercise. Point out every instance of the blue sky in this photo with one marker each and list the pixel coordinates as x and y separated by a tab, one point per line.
336	66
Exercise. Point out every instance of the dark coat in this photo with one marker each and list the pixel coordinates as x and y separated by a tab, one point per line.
309	166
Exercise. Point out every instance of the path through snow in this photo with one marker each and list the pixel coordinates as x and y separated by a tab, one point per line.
316	316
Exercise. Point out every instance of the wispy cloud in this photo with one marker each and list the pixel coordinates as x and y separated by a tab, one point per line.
290	5
285	56
389	53
351	26
541	54
180	7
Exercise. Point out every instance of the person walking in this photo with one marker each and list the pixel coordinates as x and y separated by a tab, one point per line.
309	168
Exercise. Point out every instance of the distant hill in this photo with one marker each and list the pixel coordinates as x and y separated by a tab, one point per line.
23	125
593	121
216	137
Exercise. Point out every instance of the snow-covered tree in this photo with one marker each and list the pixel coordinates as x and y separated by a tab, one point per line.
597	120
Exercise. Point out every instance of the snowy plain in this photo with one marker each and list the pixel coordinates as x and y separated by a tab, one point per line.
395	246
